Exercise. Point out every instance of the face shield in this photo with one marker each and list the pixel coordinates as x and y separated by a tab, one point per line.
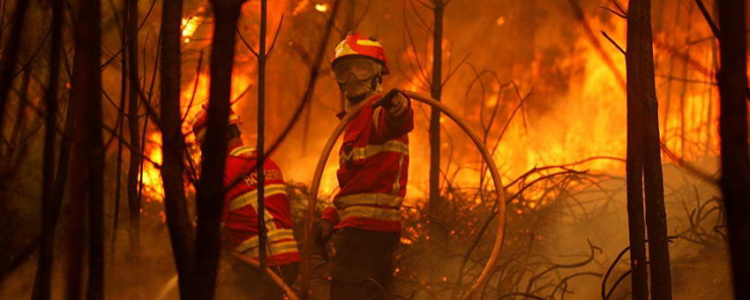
357	77
358	68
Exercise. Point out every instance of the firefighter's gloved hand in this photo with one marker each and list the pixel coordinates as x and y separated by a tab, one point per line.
394	102
325	231
399	105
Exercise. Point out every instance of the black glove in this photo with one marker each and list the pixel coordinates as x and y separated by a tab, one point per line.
322	236
387	100
394	102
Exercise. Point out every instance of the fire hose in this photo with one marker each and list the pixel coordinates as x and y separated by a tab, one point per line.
172	283
308	240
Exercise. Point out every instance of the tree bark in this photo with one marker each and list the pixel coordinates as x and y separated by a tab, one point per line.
262	58
735	165
120	129
634	166
50	211
643	123
642	85
436	87
88	155
10	55
134	203
90	18
210	190
178	219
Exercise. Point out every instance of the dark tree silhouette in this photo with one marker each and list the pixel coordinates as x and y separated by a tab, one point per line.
90	19
436	88
634	164
735	164
644	171
50	211
641	84
178	220
134	202
262	59
88	155
210	189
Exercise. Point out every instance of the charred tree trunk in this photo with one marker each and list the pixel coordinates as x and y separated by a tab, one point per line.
75	227
634	163
50	211
88	156
641	83
74	224
178	220
210	188
436	87
735	165
262	57
646	178
90	17
120	131
10	55
134	202
61	179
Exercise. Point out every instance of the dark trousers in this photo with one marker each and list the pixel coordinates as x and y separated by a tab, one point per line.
243	281
363	266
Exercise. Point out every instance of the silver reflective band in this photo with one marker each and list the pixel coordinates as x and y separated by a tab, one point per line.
370	199
251	198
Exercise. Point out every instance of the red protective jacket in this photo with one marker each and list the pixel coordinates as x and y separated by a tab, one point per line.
240	218
373	170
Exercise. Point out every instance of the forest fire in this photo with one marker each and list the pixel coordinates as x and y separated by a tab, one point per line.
606	122
153	187
321	7
189	26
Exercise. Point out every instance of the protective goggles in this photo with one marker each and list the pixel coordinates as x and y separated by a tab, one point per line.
361	69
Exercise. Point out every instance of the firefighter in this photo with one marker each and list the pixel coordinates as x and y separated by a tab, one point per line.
240	219
372	174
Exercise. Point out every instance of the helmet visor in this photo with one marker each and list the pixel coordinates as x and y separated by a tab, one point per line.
360	68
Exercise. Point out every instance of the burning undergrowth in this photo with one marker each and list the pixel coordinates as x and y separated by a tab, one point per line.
564	239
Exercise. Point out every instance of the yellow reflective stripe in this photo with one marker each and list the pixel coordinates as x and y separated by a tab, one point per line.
372	212
372	150
273	249
242	151
343	49
273	235
373	199
251	198
369	43
397	183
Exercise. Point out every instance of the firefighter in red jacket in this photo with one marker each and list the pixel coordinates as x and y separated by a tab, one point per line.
240	219
372	175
